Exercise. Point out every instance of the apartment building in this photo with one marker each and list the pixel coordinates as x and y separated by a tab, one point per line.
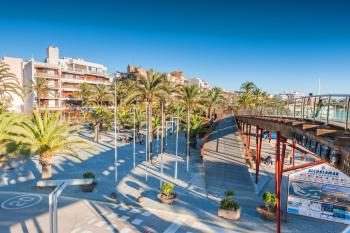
63	75
204	85
176	77
16	67
289	96
133	72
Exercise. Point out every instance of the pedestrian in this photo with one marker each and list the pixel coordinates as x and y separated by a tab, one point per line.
268	160
319	107
140	138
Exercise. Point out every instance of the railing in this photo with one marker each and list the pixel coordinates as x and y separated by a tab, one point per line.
328	109
84	71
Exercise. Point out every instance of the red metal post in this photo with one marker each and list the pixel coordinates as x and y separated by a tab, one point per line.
282	158
278	183
249	133
304	165
257	159
260	143
269	136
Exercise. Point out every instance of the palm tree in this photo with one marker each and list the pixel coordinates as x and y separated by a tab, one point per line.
149	89
40	87
214	97
248	87
85	93
123	115
101	94
47	136
123	88
191	97
98	115
9	85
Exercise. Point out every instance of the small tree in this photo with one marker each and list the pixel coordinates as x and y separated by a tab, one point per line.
228	203
168	189
270	201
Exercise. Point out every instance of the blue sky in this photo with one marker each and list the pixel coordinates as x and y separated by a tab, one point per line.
279	45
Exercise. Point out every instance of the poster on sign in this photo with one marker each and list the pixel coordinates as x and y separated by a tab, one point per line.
321	192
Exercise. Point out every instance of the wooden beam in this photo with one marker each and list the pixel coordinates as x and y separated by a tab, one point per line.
342	141
320	132
296	123
310	126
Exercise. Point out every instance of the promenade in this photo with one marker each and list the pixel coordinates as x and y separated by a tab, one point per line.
198	192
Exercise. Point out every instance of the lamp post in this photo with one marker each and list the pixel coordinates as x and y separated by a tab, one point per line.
146	142
115	133
177	142
161	149
188	140
134	136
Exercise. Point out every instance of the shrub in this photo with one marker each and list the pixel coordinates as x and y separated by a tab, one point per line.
167	189
89	175
270	201
229	193
228	203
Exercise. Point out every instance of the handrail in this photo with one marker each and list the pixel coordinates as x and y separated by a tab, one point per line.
330	109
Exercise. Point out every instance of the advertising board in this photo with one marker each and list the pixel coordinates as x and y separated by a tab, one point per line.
321	192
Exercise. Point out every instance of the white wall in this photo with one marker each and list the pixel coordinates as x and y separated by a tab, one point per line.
16	67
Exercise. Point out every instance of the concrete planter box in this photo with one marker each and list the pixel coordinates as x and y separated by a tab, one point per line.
88	188
230	214
166	200
268	215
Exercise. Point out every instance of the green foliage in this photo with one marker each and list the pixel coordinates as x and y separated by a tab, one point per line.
229	193
89	175
167	189
9	85
270	200
228	203
46	135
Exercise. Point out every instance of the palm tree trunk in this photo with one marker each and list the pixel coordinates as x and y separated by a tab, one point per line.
150	134
97	126
46	167
38	100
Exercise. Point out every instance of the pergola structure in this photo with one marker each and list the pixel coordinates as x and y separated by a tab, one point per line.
283	132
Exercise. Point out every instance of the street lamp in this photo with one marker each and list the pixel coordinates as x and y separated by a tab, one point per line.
161	149
134	136
177	142
115	132
146	140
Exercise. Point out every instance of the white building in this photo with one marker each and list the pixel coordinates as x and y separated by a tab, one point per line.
204	85
63	76
289	96
16	67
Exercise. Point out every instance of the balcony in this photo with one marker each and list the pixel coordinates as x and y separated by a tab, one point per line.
84	71
46	75
83	80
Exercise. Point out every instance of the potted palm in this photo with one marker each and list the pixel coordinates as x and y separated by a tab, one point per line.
268	210
88	188
167	195
229	209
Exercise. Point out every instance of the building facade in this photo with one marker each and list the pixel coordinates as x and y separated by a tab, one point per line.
63	77
289	96
16	102
203	85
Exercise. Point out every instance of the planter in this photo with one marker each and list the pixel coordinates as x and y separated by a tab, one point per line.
269	215
230	214
165	199
88	188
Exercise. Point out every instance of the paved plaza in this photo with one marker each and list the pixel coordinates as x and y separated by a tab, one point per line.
24	208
